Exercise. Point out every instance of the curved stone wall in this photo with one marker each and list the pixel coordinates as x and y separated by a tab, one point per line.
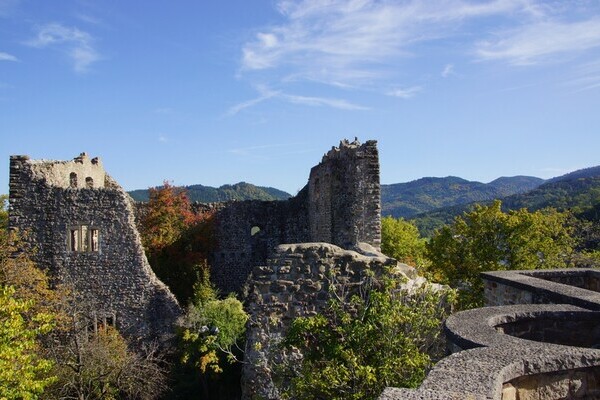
523	351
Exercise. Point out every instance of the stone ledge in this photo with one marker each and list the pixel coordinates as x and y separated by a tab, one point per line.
554	292
494	358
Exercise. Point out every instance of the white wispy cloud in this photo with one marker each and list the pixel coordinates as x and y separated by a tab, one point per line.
163	139
585	76
265	94
78	44
321	101
348	41
405	93
7	57
448	70
89	19
542	41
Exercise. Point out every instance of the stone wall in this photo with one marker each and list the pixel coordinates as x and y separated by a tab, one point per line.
341	204
295	282
345	197
560	286
581	383
85	237
246	232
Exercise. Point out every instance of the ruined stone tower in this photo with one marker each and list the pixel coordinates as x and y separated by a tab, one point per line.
81	224
341	205
344	196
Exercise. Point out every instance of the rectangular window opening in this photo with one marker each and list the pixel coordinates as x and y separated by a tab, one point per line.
83	239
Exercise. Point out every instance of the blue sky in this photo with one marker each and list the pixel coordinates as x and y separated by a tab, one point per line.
220	92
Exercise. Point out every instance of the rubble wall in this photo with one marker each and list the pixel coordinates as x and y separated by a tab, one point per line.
112	279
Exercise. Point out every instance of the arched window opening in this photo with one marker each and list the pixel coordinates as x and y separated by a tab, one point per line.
73	180
89	182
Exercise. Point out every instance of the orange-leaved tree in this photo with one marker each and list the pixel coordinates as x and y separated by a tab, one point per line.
177	239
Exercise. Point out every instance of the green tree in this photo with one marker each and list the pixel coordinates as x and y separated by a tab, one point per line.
384	336
23	373
210	331
488	239
400	239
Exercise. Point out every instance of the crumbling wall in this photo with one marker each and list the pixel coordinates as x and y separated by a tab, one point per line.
246	233
295	282
345	196
85	237
341	204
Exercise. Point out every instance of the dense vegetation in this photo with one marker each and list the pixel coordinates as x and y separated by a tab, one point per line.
486	238
208	194
177	242
384	335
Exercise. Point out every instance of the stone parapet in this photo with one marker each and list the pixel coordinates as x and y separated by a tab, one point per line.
522	351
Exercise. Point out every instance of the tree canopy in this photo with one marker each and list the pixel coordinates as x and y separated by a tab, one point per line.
488	239
382	336
400	239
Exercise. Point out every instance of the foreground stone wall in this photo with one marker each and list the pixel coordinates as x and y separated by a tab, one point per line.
544	350
580	383
85	237
560	286
295	282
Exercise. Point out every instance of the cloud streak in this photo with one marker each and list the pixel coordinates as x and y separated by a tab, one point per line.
76	43
7	57
350	44
353	41
405	93
542	41
267	94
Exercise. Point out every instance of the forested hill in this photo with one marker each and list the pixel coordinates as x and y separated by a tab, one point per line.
426	194
578	191
238	191
580	173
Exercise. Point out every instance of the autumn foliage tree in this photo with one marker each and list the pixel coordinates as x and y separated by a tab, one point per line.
177	240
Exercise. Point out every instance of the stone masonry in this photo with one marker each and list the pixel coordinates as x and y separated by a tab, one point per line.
341	204
297	282
81	224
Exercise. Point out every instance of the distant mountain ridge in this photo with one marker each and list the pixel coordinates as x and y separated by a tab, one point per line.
427	194
208	194
578	191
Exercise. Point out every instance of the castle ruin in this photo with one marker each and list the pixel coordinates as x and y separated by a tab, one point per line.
79	224
82	225
341	205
